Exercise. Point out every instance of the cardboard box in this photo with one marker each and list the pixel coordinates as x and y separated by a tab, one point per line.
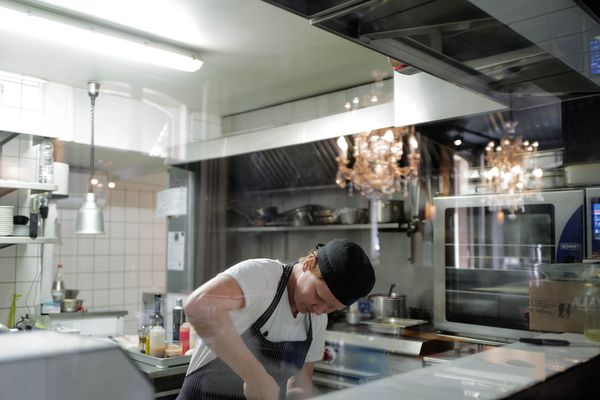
556	306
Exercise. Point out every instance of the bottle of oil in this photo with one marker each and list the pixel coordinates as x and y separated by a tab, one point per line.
591	304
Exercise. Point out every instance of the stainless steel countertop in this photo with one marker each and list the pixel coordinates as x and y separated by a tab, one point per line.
87	314
153	371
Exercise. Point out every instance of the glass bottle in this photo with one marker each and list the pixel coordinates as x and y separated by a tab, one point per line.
158	318
178	318
46	162
58	285
591	321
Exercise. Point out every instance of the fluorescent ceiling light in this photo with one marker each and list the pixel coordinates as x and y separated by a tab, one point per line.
68	31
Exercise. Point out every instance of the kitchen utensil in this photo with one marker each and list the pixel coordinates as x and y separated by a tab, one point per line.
353	317
383	306
20	220
392	286
555	342
21	230
346	215
391	326
268	213
390	211
324	220
71	293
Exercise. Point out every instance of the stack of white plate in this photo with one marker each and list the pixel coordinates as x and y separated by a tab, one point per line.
6	220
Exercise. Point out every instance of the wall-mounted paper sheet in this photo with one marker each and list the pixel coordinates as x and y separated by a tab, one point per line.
171	202
175	251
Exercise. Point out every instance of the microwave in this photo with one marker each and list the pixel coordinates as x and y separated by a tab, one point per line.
488	247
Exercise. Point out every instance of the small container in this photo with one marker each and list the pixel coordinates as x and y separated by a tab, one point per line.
184	337
173	349
69	305
157	341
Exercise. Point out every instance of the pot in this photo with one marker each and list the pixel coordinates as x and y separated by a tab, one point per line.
267	213
388	306
347	216
390	211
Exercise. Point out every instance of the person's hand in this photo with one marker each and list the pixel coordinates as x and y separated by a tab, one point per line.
263	387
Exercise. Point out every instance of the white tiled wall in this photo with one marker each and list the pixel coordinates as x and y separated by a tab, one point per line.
111	270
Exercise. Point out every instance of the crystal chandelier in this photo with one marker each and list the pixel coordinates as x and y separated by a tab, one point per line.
510	169
372	166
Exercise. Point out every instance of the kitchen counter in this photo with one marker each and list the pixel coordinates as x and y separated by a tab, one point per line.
167	382
87	314
416	341
496	373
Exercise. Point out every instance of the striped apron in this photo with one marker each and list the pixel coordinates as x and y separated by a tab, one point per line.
281	360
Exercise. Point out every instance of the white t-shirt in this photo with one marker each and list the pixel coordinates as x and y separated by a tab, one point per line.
258	279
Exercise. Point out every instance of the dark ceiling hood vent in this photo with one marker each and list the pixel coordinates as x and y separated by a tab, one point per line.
306	166
522	54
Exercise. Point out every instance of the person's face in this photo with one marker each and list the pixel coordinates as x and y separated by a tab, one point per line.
312	294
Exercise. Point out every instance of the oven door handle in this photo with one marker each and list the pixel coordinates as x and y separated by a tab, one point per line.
371	378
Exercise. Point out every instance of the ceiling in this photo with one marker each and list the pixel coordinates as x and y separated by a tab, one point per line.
255	55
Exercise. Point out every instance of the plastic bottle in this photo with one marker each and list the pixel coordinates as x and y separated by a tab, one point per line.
58	285
157	341
184	337
178	318
46	162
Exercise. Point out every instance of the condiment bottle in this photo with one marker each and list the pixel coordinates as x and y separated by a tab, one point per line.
157	341
142	339
184	337
58	285
158	318
178	318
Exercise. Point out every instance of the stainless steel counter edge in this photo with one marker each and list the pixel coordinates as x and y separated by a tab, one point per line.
153	371
493	374
403	345
87	314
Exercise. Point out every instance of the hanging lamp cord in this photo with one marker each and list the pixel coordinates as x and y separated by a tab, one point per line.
93	99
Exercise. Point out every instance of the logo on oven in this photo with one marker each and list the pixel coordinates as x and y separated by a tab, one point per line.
570	246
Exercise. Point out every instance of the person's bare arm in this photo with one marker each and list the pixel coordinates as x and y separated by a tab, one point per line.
207	309
300	385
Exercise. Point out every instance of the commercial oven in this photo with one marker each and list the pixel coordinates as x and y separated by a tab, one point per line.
485	255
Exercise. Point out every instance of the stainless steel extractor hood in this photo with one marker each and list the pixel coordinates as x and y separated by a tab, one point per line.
519	53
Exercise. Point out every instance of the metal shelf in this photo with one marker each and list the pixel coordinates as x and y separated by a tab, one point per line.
6	241
9	185
494	292
332	227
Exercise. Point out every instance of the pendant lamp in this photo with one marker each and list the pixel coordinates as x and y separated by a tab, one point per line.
89	217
